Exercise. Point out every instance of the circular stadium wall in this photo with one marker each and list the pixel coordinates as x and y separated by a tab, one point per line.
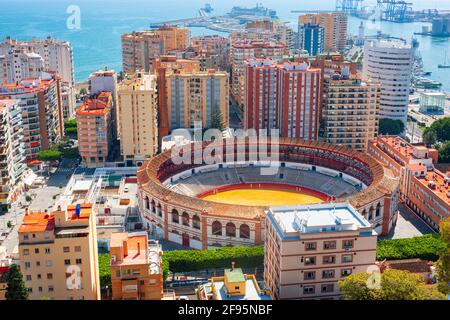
171	196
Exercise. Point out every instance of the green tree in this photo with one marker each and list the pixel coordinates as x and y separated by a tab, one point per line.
70	123
49	155
217	119
390	127
83	91
429	138
70	127
71	153
71	130
15	286
394	285
441	128
354	287
444	153
443	264
104	266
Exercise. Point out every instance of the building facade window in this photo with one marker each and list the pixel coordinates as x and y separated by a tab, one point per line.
216	228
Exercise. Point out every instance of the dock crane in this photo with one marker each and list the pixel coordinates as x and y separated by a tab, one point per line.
395	10
349	6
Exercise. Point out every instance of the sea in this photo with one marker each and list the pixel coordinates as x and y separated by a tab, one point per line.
94	27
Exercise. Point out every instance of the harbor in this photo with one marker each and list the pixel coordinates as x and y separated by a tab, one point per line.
233	21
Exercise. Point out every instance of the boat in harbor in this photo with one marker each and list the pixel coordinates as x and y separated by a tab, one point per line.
259	11
446	64
425	83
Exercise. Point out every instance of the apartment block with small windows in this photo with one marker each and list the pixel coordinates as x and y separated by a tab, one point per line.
197	97
137	117
139	49
136	267
350	110
283	96
22	60
58	254
95	129
244	50
334	26
42	112
308	249
12	152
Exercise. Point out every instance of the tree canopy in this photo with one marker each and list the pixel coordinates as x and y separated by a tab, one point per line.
49	155
429	138
390	126
70	127
393	285
15	286
444	153
217	120
441	128
443	264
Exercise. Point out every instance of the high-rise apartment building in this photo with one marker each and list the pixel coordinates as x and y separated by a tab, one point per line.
186	94
308	249
390	63
335	28
23	60
57	55
283	96
95	129
103	81
106	81
241	52
350	110
281	31
311	38
214	50
12	152
139	49
196	97
136	267
137	117
42	114
18	65
168	65
58	254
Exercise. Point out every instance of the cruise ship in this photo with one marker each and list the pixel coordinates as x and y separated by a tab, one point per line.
259	10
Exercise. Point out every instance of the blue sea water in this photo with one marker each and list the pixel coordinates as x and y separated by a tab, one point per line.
97	43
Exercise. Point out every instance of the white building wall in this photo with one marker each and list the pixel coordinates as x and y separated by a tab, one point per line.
390	63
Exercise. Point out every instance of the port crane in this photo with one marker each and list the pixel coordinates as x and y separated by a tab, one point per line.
395	10
349	6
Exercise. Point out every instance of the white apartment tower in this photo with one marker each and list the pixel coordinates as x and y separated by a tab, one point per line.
20	60
20	65
389	62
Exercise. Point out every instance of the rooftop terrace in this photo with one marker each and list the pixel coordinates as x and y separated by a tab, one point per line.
328	217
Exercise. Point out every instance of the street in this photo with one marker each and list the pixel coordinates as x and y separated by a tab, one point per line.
236	117
408	225
43	199
413	129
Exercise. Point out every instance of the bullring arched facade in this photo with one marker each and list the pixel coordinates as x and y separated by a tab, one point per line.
201	224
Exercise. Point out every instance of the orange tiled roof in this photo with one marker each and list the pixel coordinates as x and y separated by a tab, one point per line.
98	105
12	88
37	222
441	187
